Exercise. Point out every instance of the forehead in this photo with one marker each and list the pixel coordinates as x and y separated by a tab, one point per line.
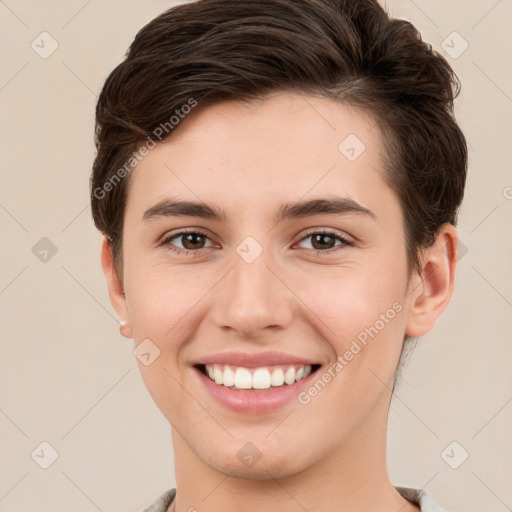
283	147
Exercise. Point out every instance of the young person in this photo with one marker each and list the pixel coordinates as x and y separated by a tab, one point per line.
278	184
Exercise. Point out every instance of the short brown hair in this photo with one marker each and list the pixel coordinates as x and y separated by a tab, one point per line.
346	50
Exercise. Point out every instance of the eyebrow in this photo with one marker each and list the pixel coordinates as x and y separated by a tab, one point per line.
305	208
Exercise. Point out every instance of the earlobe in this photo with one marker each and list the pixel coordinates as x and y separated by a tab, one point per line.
125	329
430	292
115	287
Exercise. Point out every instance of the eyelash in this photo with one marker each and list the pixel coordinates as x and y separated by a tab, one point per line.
333	234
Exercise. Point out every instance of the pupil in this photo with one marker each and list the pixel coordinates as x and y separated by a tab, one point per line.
320	236
192	236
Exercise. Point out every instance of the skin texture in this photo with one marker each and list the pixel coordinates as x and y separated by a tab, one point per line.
296	298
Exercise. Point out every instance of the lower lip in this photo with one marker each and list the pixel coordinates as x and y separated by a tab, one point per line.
254	401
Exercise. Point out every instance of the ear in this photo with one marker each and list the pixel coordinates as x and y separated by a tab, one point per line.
431	289
115	287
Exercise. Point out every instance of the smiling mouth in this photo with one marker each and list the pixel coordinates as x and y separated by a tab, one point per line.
256	379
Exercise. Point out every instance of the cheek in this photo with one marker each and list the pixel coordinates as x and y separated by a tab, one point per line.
348	300
360	311
161	306
159	297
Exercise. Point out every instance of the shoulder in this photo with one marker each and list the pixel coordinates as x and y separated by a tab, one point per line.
162	503
417	496
421	498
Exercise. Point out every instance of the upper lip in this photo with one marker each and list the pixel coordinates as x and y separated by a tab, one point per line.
255	360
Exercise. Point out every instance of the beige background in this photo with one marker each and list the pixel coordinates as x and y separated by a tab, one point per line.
68	378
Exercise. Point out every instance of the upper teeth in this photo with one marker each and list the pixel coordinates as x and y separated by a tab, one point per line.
256	378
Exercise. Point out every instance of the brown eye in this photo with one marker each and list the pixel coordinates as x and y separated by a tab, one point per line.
192	241
324	241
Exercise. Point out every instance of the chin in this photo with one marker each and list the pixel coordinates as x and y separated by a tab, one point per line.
260	467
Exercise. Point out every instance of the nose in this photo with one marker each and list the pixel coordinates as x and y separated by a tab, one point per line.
253	298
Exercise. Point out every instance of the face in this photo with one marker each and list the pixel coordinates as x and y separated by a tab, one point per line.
302	265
